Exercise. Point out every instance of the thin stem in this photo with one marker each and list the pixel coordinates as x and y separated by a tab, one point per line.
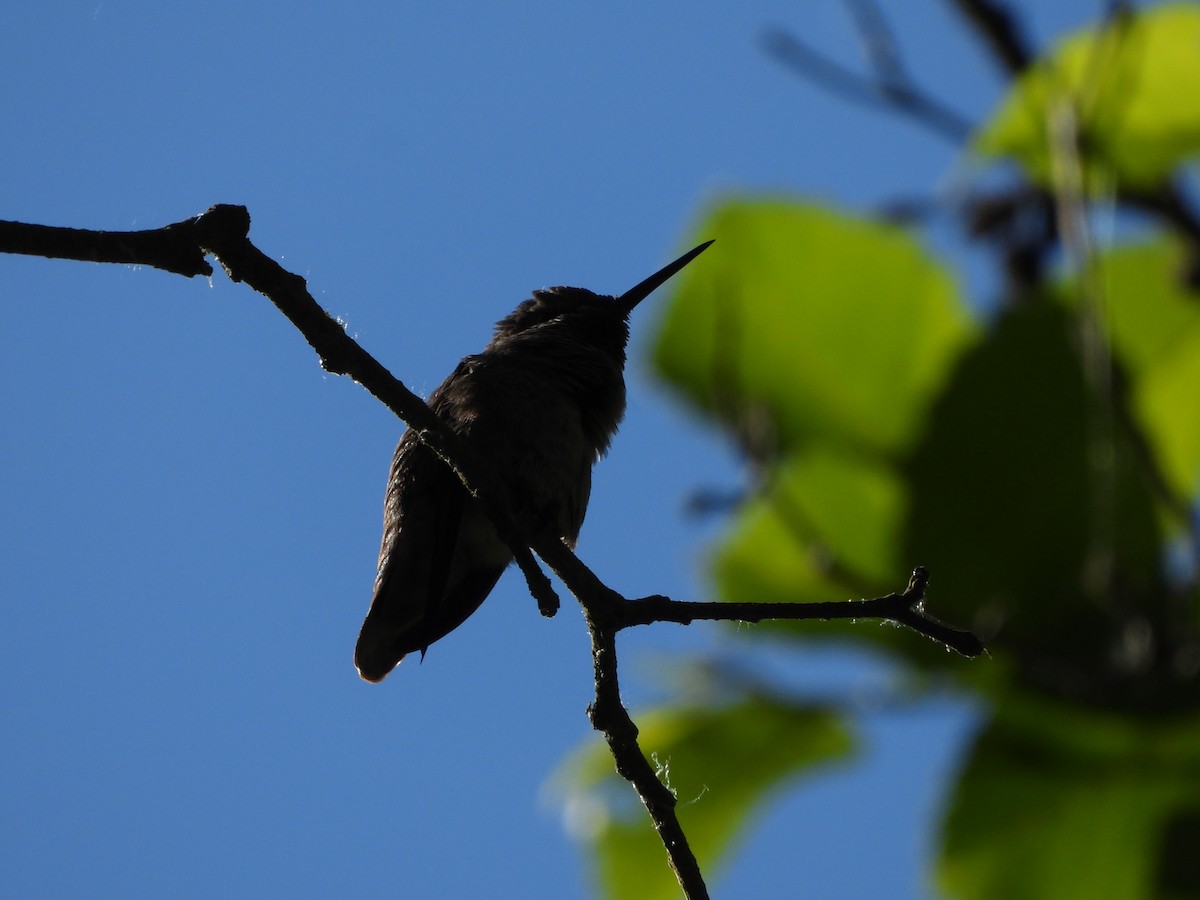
907	608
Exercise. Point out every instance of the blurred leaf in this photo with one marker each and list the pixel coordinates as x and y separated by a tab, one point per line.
893	433
823	515
720	763
1024	533
999	480
997	499
1059	802
1154	327
828	328
1126	82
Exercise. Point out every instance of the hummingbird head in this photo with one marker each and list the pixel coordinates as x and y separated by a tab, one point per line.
567	318
577	317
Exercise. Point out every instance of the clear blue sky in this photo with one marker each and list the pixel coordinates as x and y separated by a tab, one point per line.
190	507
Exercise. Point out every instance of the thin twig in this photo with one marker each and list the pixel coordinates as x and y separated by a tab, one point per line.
879	42
904	609
895	94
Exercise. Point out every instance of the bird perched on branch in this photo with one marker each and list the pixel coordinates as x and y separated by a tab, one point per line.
541	403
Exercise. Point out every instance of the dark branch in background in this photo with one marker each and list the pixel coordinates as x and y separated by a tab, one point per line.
1020	223
998	27
878	41
891	89
1169	205
710	501
223	231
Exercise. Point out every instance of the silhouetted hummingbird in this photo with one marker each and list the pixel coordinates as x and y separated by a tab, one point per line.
541	403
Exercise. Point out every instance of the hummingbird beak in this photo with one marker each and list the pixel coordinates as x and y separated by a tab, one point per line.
640	292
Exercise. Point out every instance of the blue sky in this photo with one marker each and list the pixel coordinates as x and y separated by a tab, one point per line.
191	507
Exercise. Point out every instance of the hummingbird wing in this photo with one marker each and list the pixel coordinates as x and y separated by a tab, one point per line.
439	559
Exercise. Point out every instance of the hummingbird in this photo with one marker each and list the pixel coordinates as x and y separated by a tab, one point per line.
541	403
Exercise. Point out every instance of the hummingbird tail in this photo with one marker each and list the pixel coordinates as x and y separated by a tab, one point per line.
373	659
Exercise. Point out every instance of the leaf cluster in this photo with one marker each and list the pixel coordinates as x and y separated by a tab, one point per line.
1041	457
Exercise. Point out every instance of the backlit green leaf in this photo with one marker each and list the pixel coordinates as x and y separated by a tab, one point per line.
1154	327
1060	802
820	506
1130	86
808	325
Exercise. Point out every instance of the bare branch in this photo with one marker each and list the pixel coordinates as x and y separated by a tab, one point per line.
879	41
998	28
223	231
1169	204
906	609
609	716
892	92
173	248
607	613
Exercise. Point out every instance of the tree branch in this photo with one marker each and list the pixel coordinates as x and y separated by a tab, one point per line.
607	613
223	230
610	717
907	608
174	248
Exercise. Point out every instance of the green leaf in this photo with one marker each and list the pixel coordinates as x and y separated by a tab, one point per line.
810	326
1154	328
1013	515
999	481
1129	84
819	506
1059	802
720	763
